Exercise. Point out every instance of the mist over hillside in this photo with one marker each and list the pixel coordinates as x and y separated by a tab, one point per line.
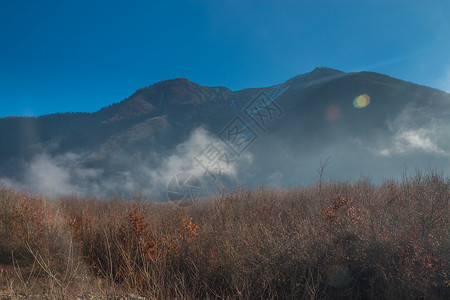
366	123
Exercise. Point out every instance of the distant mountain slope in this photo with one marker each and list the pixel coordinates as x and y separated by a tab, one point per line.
163	129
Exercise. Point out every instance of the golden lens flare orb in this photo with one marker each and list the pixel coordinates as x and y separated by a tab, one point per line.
361	101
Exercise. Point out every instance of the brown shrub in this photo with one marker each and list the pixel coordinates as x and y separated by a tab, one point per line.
338	241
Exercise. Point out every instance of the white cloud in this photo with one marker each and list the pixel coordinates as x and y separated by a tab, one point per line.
417	139
183	161
408	141
415	129
60	175
65	174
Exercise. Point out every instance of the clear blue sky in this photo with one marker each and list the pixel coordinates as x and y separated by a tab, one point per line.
58	56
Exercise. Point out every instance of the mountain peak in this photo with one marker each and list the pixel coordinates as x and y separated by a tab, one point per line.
172	82
325	69
175	80
317	76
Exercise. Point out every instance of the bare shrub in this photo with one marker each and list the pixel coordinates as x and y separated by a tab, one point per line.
336	240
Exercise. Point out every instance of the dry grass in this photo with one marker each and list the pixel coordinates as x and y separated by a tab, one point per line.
333	241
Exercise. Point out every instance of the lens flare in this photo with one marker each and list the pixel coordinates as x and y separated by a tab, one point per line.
361	101
333	112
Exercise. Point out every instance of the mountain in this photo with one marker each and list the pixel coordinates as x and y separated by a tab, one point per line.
367	123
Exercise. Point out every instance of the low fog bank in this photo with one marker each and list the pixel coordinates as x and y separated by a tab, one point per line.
267	162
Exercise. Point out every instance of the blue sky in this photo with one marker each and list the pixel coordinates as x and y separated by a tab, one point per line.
59	56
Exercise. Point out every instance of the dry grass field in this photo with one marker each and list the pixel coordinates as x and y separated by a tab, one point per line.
329	241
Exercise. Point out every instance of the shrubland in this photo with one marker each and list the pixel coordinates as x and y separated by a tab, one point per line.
333	240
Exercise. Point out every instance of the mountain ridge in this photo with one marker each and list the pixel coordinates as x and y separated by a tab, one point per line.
184	80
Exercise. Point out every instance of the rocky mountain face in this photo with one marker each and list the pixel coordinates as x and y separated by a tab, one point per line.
367	123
